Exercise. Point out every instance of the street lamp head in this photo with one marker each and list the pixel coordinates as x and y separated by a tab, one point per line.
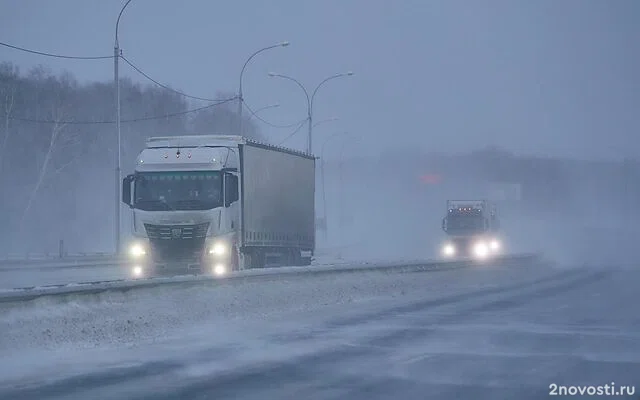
284	44
349	73
272	74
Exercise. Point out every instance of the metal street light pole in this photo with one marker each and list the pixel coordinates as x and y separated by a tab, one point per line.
116	81
301	86
315	91
240	95
310	101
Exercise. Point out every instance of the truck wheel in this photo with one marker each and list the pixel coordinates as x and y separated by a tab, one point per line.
256	259
293	258
235	259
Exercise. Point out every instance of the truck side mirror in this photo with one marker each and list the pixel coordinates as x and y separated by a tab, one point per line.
126	190
444	224
231	190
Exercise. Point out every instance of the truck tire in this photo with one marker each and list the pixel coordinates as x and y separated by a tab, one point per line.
257	259
235	259
293	258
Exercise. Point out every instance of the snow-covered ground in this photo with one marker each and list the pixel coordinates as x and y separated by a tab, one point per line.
362	335
28	277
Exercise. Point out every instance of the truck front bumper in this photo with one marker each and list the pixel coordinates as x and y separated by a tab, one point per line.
141	270
474	248
145	263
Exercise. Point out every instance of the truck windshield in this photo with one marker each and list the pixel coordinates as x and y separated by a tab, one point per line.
459	224
189	190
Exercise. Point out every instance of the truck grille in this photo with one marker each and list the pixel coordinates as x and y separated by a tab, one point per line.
177	242
176	232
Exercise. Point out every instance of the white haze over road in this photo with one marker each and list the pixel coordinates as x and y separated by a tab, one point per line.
378	213
484	332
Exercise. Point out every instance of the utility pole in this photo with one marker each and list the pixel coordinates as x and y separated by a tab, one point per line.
116	81
240	127
116	77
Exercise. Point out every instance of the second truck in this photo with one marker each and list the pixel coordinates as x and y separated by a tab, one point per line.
472	227
213	203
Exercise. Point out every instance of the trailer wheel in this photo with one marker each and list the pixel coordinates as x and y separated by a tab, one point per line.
235	258
256	259
293	258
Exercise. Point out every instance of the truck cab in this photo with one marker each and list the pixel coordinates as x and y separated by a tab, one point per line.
184	204
472	229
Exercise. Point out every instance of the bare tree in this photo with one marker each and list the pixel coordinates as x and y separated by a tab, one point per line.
56	129
62	100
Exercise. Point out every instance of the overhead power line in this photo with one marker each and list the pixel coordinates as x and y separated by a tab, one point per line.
137	69
170	115
267	122
141	72
54	55
293	133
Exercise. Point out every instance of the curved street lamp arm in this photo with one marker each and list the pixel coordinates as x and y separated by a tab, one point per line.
299	85
325	81
118	21
244	66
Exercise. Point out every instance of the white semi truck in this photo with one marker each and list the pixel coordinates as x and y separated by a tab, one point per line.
472	227
215	203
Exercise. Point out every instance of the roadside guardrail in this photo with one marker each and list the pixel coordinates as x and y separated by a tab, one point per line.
88	260
24	294
85	261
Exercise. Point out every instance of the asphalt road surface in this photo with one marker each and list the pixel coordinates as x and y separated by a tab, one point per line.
479	334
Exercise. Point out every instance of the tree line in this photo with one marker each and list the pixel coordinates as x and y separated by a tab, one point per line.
57	150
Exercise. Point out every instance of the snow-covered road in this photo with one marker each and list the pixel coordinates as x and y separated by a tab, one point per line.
474	333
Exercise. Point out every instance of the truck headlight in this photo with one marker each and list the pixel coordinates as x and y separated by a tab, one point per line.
449	250
137	250
219	269
219	249
137	271
481	250
495	245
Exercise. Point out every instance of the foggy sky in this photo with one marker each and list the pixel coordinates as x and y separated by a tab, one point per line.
544	77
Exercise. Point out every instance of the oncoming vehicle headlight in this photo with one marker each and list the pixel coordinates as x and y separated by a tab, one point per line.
449	250
137	250
219	269
137	271
480	250
495	245
218	248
